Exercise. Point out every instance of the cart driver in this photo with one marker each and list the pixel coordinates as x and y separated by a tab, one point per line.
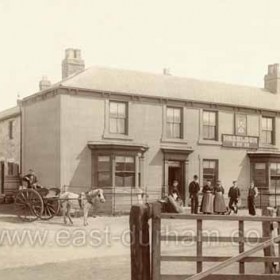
31	179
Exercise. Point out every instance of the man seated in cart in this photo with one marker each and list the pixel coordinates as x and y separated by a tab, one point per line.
31	179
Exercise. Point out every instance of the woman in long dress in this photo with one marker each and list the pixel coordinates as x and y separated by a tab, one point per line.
219	202
207	199
252	194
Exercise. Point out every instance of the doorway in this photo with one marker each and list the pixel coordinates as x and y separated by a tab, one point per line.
2	176
176	172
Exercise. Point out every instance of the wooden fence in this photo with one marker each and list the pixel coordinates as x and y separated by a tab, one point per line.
146	257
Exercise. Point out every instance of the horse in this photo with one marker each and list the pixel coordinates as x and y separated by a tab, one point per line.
85	201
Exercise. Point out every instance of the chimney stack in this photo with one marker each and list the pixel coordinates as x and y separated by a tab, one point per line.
44	83
72	63
272	78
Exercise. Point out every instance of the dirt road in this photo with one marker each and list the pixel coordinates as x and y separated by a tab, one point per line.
45	250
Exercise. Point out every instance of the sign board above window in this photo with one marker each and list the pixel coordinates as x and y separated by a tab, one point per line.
236	141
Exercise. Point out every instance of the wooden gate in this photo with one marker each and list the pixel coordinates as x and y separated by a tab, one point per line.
147	258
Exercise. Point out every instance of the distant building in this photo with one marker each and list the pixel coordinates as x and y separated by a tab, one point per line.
128	132
9	150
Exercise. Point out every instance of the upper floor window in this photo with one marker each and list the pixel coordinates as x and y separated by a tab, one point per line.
173	122
210	125
11	129
240	124
118	117
267	134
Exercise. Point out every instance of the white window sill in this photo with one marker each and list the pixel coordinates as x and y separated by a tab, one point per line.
209	142
173	140
117	137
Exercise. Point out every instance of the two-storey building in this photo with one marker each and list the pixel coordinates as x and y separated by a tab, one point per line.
127	130
10	133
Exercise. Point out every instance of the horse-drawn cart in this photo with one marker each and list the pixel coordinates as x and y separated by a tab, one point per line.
33	203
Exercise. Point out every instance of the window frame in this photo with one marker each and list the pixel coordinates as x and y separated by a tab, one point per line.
113	169
118	118
181	123
273	132
216	125
11	129
216	170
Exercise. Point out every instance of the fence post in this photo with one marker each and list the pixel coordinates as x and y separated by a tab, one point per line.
278	232
267	232
199	244
241	246
156	227
139	242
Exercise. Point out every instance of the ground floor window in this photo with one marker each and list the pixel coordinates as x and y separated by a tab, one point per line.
104	171
125	171
210	171
120	169
13	169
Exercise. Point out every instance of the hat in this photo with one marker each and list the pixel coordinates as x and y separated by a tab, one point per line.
234	181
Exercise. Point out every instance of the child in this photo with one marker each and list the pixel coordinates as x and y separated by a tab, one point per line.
234	195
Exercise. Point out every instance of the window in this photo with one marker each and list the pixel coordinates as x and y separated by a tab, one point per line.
240	124
13	169
267	135
118	117
274	183
11	129
125	171
210	171
209	125
174	122
104	171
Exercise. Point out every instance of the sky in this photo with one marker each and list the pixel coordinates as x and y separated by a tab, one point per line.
231	41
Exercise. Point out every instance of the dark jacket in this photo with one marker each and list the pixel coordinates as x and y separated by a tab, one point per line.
234	193
194	188
207	188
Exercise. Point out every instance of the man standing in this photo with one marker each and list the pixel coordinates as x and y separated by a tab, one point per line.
194	188
234	195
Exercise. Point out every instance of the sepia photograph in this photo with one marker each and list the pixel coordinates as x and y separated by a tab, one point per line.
140	140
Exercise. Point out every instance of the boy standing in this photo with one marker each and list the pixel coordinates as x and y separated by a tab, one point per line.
234	195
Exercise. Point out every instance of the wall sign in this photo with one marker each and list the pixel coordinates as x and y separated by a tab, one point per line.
236	141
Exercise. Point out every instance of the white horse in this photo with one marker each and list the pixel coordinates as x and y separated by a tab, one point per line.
85	200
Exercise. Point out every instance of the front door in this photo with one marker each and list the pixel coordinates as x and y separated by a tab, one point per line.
176	172
2	176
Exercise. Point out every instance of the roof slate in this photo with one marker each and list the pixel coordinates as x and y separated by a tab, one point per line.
171	87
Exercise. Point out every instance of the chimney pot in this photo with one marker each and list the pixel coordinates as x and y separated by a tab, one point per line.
44	83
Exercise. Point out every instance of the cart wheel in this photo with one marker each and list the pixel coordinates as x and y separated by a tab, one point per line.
28	205
51	208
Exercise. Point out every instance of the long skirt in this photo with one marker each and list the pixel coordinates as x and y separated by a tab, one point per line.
207	203
219	203
251	205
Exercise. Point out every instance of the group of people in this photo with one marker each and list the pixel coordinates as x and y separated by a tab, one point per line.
213	197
